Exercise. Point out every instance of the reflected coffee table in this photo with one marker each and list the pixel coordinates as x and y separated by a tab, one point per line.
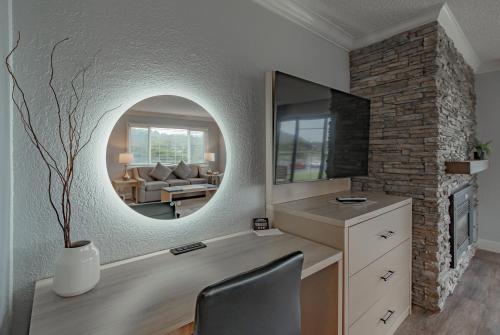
188	206
169	194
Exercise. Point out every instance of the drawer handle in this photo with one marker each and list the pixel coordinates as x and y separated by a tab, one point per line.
387	316
388	235
388	275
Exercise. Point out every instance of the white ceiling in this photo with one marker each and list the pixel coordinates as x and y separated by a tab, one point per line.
355	23
172	105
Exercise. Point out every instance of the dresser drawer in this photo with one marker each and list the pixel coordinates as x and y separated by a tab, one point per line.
392	308
378	279
371	239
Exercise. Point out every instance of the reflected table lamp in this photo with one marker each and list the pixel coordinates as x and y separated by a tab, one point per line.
125	159
209	157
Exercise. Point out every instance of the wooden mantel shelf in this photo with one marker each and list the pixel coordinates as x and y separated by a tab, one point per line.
466	167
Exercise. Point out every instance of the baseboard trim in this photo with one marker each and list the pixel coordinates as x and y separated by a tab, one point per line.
488	245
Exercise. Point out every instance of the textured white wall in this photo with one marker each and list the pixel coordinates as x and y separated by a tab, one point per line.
488	121
5	173
212	52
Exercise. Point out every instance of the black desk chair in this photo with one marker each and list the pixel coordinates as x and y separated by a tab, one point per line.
264	301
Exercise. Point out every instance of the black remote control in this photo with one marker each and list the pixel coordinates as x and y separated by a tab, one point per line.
187	248
348	200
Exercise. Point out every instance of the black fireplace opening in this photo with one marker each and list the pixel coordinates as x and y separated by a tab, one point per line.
463	230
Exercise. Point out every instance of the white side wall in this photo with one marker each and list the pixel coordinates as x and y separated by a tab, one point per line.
5	173
213	52
488	128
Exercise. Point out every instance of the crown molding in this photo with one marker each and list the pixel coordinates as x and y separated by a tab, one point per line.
313	22
455	32
446	19
490	66
404	25
317	24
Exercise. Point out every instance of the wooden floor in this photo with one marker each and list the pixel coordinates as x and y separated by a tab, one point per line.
473	309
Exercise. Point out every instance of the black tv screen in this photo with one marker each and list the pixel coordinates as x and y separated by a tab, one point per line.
319	132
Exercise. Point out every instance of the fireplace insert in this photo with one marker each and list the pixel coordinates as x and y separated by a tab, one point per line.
463	227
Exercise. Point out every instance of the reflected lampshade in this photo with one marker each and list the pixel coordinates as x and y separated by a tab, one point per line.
125	158
209	156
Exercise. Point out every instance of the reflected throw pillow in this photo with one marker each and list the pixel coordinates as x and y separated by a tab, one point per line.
182	170
160	172
203	171
194	171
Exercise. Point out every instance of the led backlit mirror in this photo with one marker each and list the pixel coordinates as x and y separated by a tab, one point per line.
166	157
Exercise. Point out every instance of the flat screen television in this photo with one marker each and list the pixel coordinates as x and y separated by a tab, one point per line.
319	133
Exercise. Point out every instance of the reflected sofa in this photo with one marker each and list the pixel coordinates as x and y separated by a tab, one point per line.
149	189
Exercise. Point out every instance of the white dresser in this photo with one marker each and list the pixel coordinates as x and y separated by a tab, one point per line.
376	239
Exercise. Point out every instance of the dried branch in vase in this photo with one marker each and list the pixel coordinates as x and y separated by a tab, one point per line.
73	130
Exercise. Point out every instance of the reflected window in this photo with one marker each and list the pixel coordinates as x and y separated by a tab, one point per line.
139	144
150	145
301	149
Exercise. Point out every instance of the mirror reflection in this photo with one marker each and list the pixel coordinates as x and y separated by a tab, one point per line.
166	157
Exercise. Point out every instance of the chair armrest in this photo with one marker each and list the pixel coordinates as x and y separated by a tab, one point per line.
141	182
204	175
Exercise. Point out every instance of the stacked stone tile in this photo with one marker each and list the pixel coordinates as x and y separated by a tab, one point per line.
422	114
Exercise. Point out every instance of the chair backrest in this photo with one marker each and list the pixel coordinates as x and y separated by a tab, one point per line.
264	301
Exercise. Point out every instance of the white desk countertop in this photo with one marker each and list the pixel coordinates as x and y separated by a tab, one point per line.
326	209
156	294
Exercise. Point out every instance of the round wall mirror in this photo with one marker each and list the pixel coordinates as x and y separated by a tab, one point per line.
166	157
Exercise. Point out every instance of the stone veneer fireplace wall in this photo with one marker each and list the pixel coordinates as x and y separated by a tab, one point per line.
423	114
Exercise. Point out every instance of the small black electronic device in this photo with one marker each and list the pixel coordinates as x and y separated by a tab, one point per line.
187	248
351	200
260	223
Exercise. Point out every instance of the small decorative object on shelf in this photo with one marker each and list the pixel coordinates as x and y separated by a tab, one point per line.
77	268
482	150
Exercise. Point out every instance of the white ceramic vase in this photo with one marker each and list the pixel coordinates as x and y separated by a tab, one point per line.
77	269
